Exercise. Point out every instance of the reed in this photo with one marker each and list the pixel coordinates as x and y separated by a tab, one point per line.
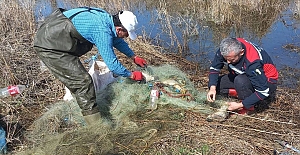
16	30
296	9
111	6
183	21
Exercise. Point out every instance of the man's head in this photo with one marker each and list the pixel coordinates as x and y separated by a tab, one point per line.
125	23
232	50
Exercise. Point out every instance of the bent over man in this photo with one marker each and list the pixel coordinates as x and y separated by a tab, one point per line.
252	74
66	35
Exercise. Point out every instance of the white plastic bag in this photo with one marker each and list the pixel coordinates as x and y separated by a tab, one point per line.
101	77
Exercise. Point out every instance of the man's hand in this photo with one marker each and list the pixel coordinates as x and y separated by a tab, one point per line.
137	76
235	105
211	95
139	61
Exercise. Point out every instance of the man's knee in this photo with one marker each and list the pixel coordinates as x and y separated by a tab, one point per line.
242	80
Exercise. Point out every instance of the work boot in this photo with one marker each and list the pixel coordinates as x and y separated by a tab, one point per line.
240	114
92	116
232	93
92	119
245	111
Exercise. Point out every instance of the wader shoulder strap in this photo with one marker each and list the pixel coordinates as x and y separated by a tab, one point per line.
86	9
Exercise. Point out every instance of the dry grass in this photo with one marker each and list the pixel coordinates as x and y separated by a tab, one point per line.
184	21
242	135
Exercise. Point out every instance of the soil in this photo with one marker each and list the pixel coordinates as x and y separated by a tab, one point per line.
278	118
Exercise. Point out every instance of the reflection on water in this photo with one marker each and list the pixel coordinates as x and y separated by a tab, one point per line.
195	28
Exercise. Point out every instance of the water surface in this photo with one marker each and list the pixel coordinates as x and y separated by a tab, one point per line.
199	34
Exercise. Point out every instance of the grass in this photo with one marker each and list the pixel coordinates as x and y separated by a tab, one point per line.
248	135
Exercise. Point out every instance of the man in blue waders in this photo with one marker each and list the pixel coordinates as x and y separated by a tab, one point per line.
68	34
252	74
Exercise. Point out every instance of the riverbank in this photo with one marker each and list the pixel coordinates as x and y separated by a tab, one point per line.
192	135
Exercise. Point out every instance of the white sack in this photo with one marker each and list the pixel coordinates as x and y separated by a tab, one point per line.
101	77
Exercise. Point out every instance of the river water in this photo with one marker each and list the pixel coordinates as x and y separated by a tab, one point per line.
199	35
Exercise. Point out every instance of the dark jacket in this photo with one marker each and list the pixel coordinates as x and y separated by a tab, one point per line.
256	64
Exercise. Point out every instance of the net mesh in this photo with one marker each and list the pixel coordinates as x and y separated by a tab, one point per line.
123	105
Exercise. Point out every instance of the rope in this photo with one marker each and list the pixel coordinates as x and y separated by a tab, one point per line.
184	93
262	119
256	118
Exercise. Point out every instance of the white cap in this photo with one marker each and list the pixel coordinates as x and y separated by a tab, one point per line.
129	21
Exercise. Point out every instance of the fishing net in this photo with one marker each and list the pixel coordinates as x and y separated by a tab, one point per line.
126	125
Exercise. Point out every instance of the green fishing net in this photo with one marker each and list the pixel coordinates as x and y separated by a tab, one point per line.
126	120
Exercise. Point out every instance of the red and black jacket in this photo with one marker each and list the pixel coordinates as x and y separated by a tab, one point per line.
256	64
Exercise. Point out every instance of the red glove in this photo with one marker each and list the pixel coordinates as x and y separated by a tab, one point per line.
137	76
139	61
